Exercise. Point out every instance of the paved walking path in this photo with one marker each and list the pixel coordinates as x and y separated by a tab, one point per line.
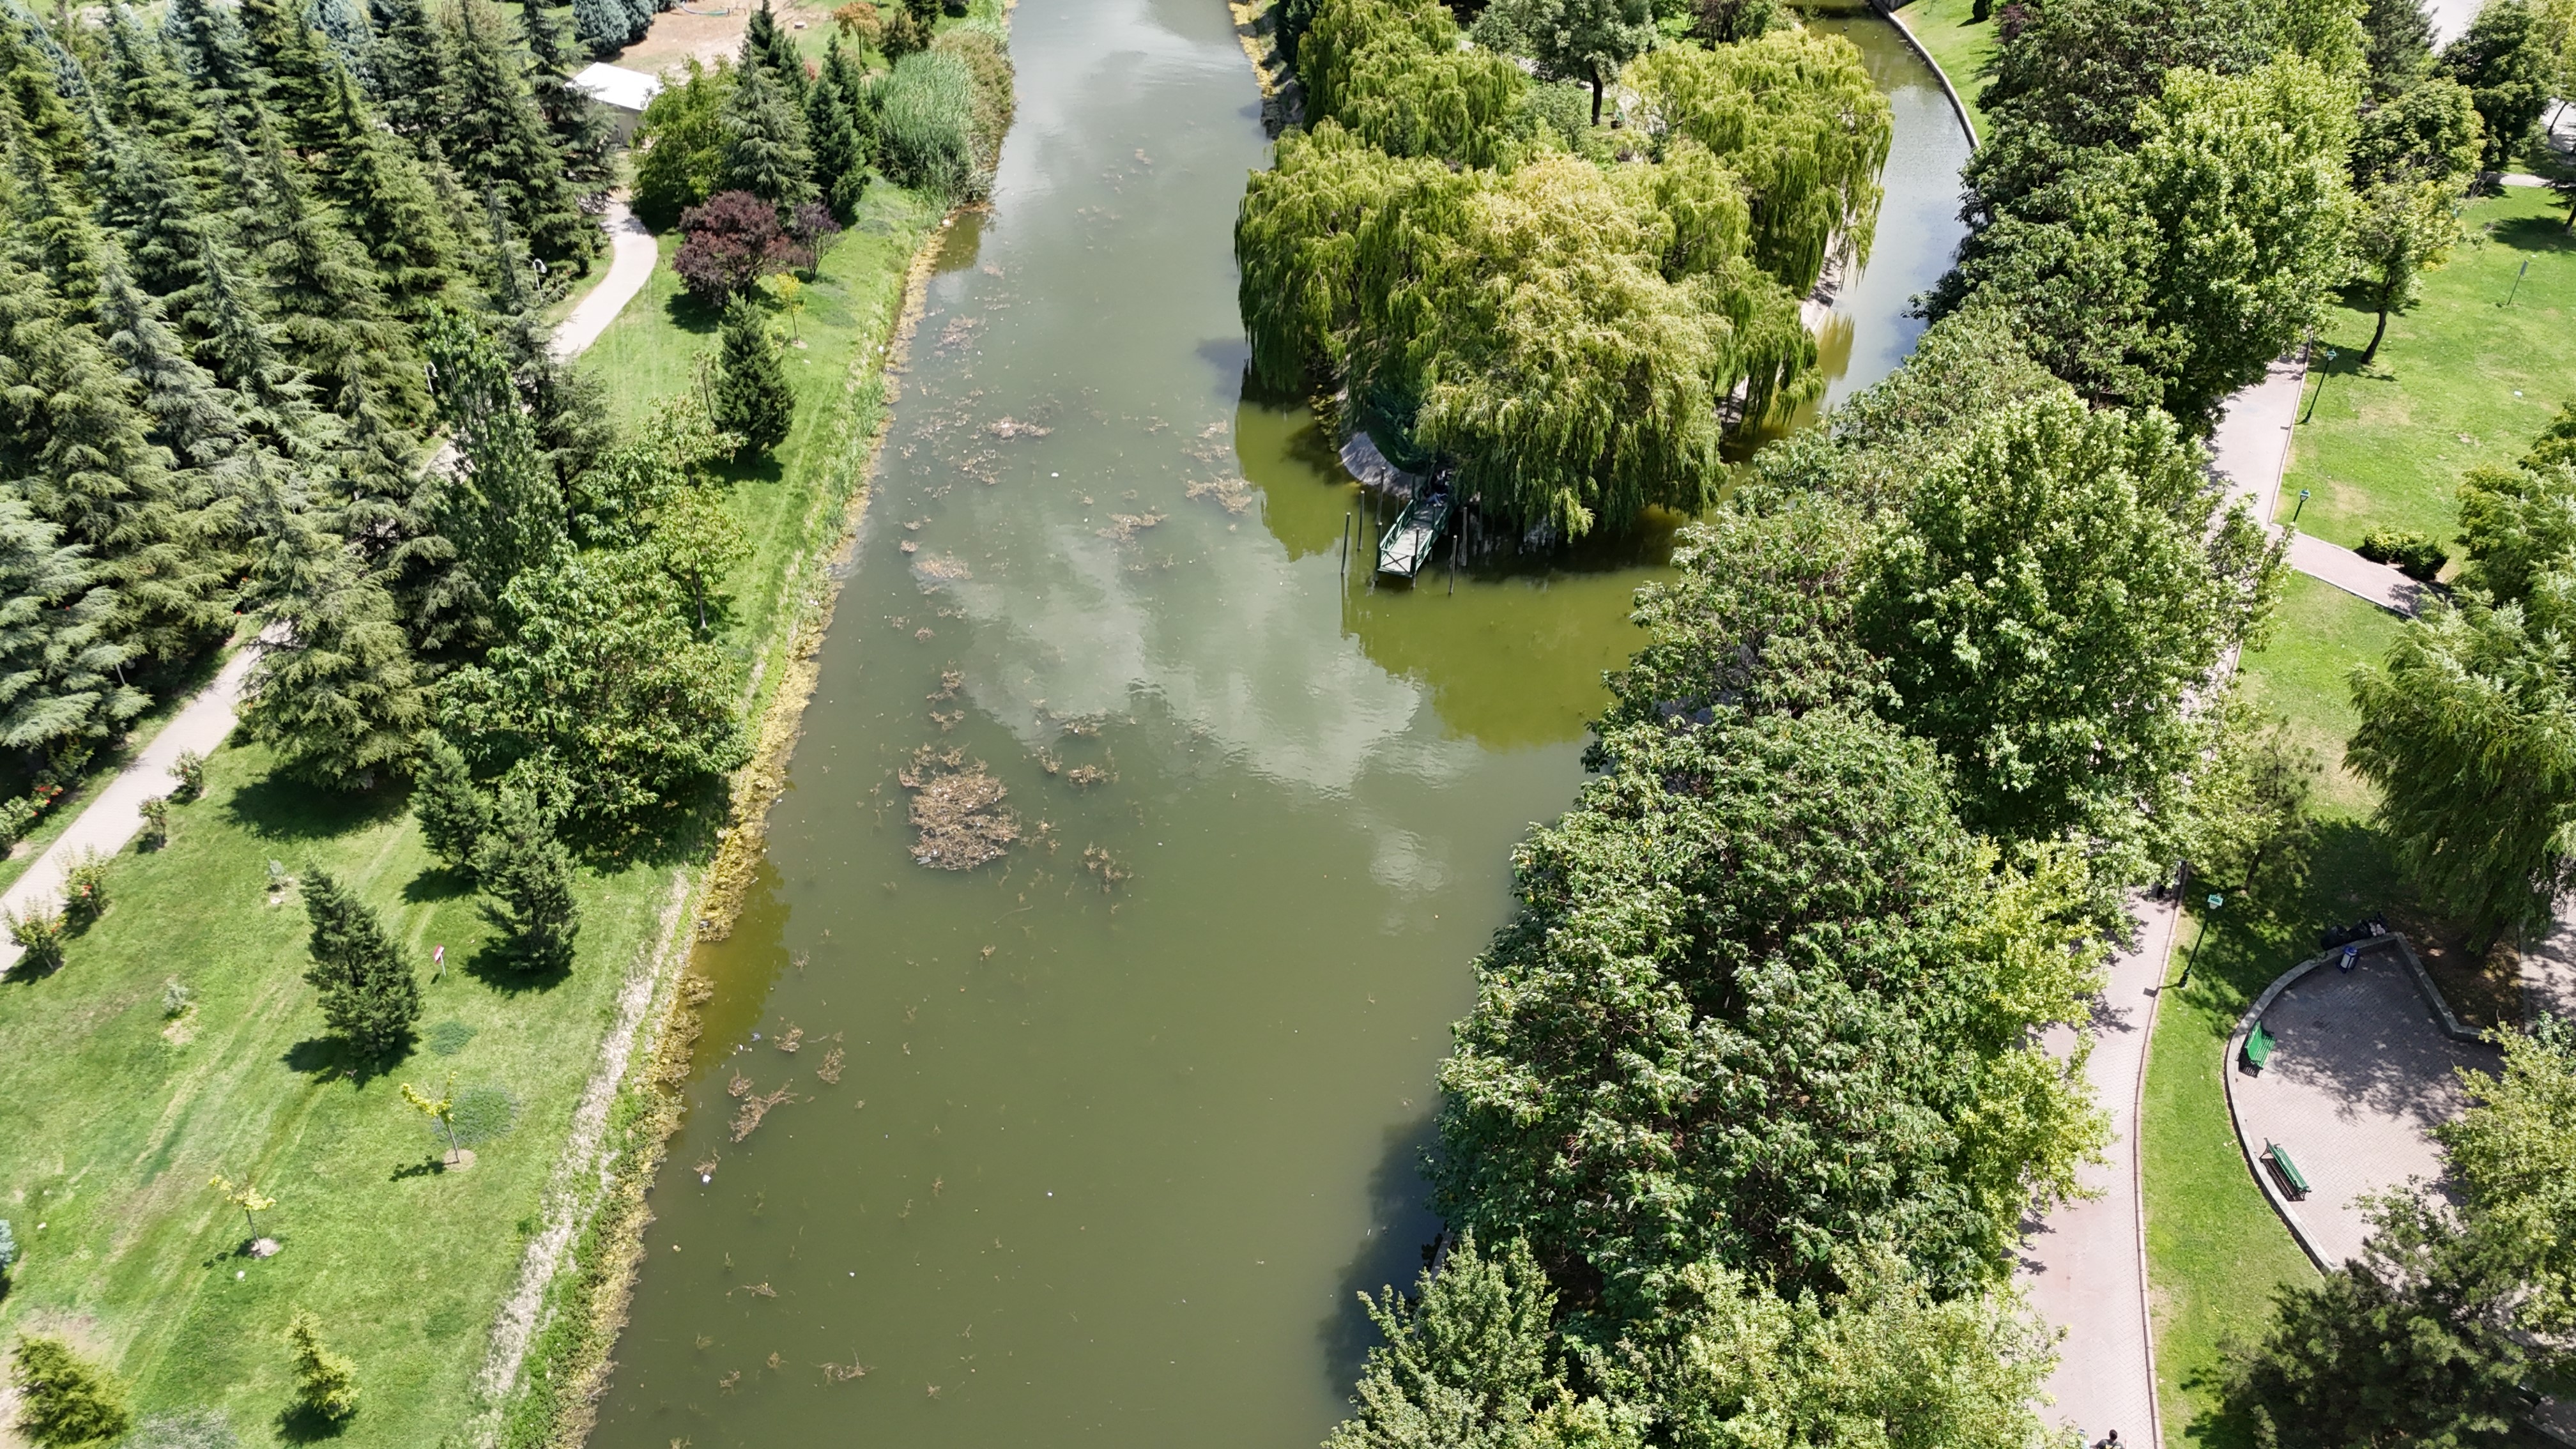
2360	1074
631	256
2085	1267
2251	446
116	816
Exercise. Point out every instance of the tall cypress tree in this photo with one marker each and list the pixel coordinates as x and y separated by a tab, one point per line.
501	143
527	874
753	401
764	147
337	694
840	162
369	994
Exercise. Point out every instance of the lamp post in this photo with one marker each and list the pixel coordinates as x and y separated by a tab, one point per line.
2303	503
2321	387
2215	901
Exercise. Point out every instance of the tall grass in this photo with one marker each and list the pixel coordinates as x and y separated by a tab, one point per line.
941	113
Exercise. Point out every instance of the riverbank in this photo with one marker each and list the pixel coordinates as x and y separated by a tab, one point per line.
552	1399
178	1041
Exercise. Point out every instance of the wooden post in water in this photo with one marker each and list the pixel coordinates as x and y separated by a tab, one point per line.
1346	547
1456	538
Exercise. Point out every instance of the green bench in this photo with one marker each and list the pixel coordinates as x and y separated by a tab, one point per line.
2293	1181
2258	1049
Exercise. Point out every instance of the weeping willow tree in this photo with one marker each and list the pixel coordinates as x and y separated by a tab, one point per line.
1568	334
1398	76
1794	115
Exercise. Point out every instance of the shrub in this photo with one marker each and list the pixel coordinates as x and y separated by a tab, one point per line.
40	933
156	821
8	1247
2414	555
190	771
925	111
176	998
85	890
732	242
66	1402
17	817
679	144
986	50
326	1383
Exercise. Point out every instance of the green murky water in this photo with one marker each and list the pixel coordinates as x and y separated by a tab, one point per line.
1107	1158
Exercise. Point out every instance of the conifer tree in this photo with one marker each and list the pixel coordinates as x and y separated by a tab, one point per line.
240	341
218	56
369	994
768	47
338	696
193	417
297	65
142	83
840	160
33	95
54	232
331	314
579	126
752	399
64	1399
454	812
765	151
156	211
411	70
56	668
388	204
501	143
604	27
527	874
326	1383
77	438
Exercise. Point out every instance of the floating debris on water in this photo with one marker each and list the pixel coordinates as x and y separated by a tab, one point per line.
755	1107
1009	427
1100	863
957	808
939	568
1234	494
1124	526
830	1071
834	1373
794	1039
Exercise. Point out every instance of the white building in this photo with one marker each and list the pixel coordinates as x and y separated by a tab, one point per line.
624	92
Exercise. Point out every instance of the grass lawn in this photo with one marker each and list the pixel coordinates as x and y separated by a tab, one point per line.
2461	379
1958	45
113	1115
650	352
2319	634
2215	1249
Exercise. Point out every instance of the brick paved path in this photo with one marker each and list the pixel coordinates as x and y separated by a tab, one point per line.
2360	1073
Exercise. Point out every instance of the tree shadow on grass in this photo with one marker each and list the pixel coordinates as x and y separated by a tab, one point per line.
300	1425
279	808
512	970
328	1058
437	884
2546	234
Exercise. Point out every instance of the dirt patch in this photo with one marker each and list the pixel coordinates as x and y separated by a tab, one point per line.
957	808
2482	993
680	33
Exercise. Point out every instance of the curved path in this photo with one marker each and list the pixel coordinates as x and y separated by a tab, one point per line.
116	816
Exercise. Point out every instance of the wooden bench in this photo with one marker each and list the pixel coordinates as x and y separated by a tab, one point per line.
2293	1181
2258	1049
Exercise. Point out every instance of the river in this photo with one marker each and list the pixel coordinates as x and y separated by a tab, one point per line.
1124	1118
